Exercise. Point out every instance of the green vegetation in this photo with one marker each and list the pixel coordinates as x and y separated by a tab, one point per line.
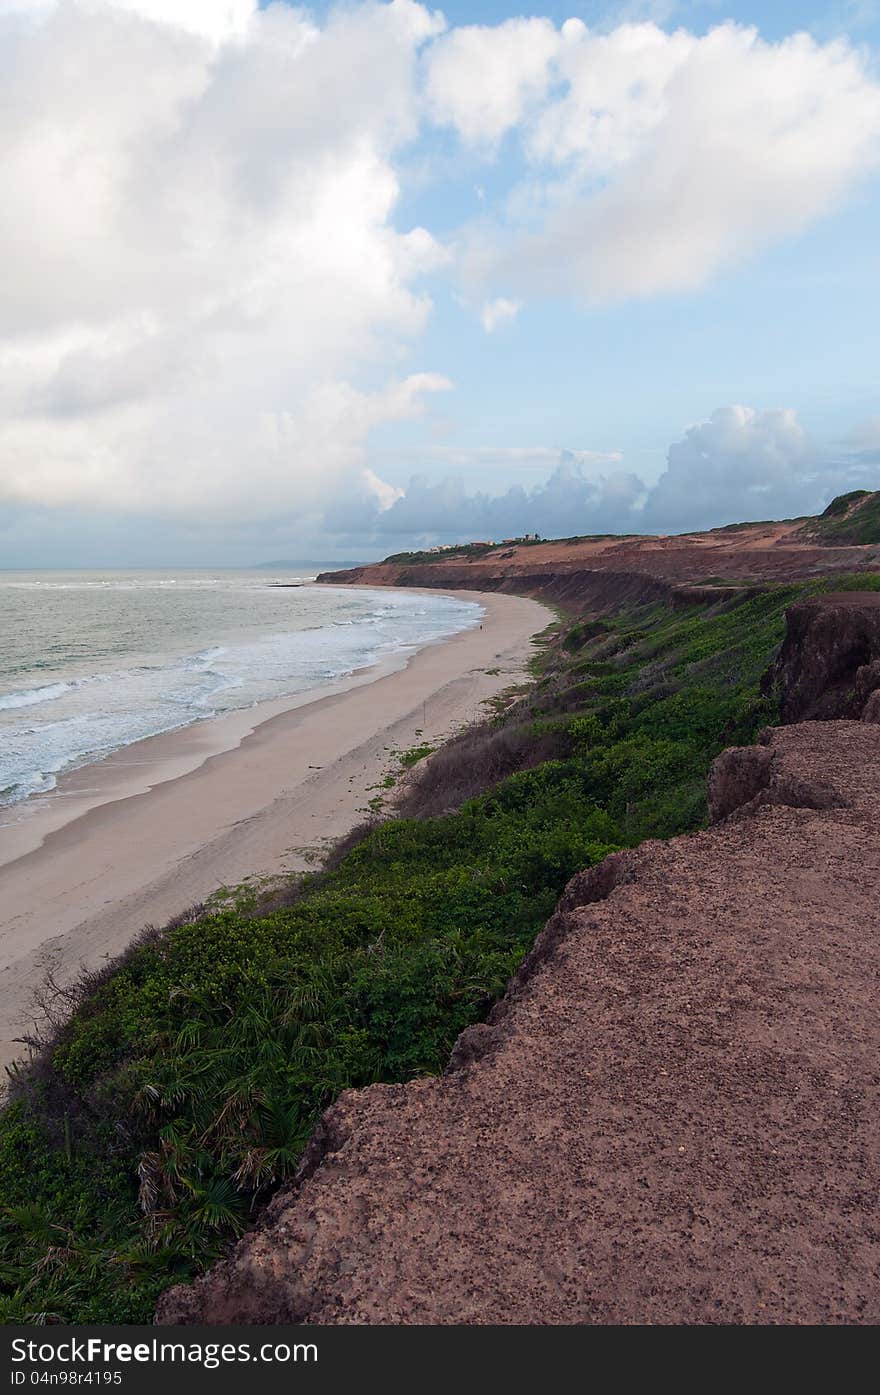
465	552
472	552
735	582
404	760
743	527
184	1087
851	519
843	502
576	636
415	753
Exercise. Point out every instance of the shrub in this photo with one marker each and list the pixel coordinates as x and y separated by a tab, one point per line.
185	1085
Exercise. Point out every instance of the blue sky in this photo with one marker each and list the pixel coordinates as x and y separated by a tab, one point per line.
796	326
857	18
338	282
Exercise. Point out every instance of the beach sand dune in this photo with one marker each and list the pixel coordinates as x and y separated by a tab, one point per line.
161	825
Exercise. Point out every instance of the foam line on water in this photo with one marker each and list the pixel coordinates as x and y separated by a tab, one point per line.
48	728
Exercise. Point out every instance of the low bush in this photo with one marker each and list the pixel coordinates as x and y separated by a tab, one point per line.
183	1088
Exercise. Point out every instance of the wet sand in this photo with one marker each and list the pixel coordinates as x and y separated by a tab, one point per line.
161	825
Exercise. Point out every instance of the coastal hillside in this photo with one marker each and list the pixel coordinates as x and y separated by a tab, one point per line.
671	1117
846	537
850	520
485	934
182	1086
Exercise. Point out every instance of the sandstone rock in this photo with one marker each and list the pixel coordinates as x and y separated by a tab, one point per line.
867	681
872	708
736	778
830	640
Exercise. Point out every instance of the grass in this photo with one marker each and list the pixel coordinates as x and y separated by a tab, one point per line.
468	551
843	502
415	754
852	519
182	1090
475	550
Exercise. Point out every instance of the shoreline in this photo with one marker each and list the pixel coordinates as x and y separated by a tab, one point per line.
142	765
168	753
160	825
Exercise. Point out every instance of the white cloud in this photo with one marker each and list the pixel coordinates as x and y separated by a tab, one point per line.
743	463
658	158
750	463
569	502
200	263
496	313
483	79
507	458
577	496
206	302
383	493
214	19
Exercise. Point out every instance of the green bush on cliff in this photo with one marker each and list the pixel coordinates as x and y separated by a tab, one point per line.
850	520
187	1082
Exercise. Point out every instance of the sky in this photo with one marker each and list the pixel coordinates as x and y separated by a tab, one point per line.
332	282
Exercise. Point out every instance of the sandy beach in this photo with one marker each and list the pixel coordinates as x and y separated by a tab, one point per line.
161	825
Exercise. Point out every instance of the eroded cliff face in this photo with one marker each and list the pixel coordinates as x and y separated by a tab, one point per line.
566	584
672	1115
568	572
829	664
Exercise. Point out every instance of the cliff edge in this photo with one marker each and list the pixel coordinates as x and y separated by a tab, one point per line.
689	566
829	664
672	1116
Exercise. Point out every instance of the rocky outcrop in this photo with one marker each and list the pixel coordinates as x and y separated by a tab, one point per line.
672	1116
829	663
866	691
744	778
737	779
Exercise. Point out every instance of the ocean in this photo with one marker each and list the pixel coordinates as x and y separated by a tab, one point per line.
93	661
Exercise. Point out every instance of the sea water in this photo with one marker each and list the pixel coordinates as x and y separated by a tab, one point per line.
93	661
